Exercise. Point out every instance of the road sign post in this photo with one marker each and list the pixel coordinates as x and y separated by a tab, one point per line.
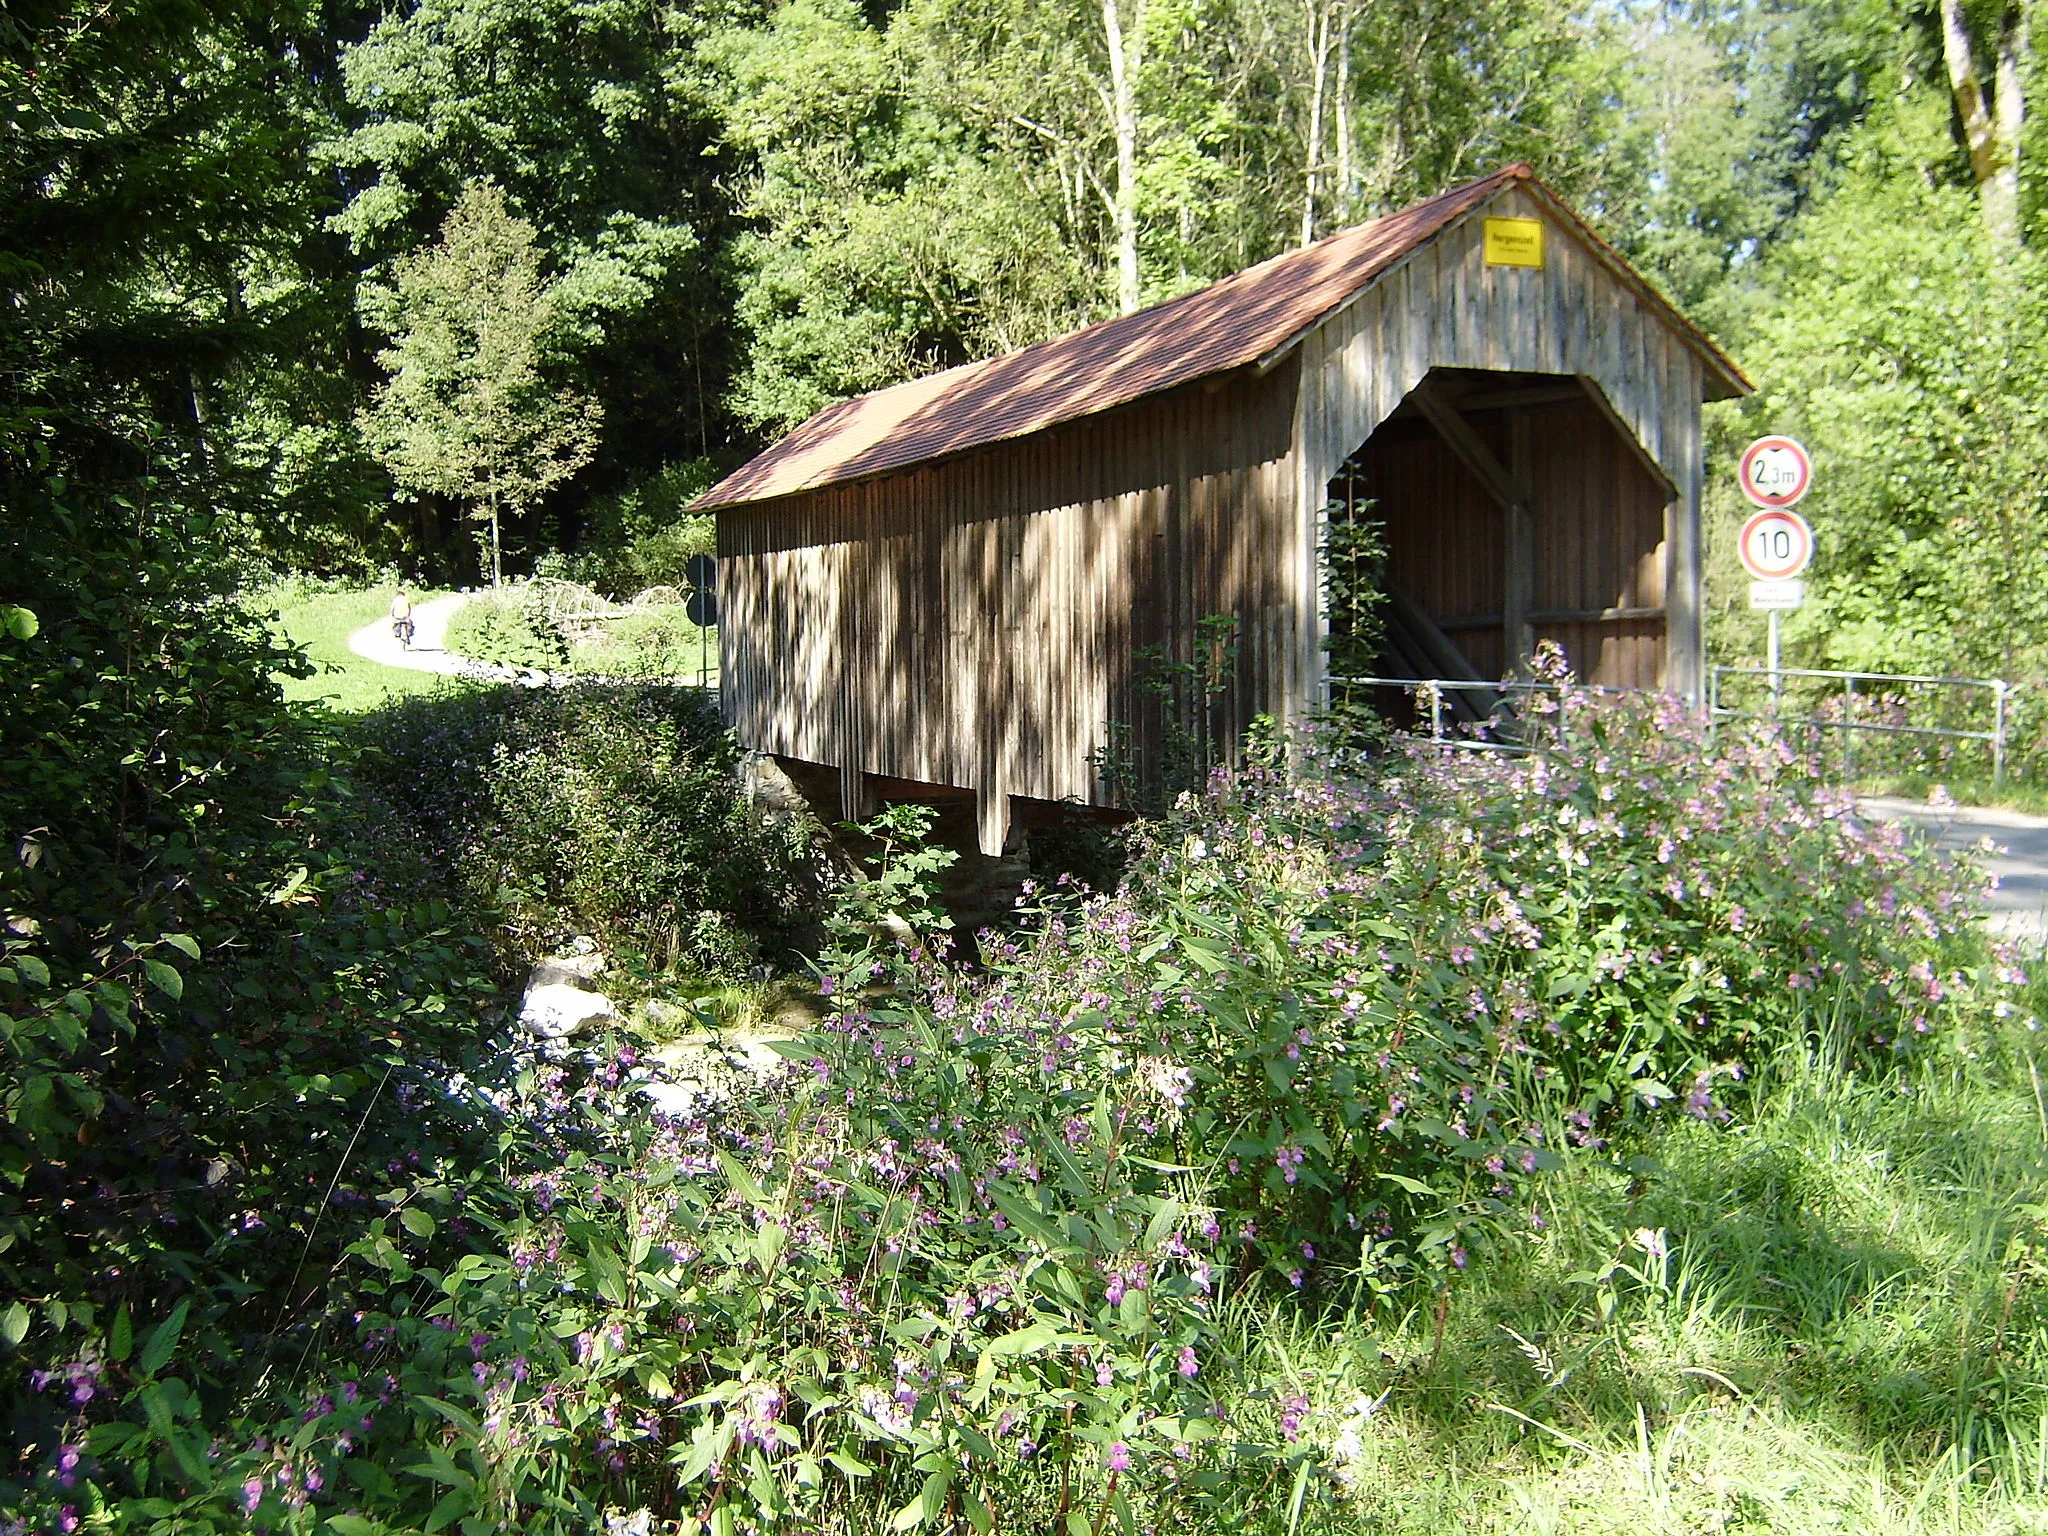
1776	544
701	573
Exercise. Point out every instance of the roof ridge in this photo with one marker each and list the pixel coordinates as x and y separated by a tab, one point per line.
1246	319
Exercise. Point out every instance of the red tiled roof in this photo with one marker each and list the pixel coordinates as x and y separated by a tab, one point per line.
1242	320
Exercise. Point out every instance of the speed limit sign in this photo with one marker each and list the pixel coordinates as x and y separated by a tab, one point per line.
1775	545
1775	471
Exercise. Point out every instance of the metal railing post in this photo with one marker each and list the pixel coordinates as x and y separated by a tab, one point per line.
1436	712
1849	731
1998	732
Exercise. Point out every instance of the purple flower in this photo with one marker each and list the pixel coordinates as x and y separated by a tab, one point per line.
1188	1365
1119	1456
1293	1409
252	1495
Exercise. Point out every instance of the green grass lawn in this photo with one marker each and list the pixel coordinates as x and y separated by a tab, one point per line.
321	622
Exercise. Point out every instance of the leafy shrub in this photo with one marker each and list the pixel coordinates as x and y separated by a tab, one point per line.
655	642
965	1261
661	557
608	809
1395	999
509	629
201	1004
643	536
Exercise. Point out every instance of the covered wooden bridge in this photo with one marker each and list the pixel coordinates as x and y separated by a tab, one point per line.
955	585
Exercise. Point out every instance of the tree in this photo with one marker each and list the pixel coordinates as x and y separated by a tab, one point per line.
169	297
1126	48
596	119
1991	121
465	412
1908	348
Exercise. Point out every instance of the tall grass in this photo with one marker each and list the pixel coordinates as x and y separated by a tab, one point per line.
1826	1318
1626	1136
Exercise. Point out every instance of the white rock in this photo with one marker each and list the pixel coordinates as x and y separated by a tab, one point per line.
676	1099
579	964
556	1009
758	1057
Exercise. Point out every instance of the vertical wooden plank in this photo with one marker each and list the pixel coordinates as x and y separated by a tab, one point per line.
1685	641
1520	576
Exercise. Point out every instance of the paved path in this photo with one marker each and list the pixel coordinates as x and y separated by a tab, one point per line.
429	651
2020	904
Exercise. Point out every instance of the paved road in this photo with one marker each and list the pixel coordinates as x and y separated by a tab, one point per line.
2020	904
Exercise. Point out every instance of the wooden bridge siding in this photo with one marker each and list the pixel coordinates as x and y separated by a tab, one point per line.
1601	544
1446	538
1444	307
975	622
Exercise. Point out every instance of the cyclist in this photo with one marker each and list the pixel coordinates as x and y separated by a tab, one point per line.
401	618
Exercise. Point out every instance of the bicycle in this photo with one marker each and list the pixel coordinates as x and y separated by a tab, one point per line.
401	631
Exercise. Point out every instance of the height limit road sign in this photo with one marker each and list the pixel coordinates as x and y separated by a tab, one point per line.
1774	471
1776	544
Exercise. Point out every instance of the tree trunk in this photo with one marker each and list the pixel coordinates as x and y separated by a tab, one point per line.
1347	174
497	562
2008	119
1126	59
1316	25
1991	126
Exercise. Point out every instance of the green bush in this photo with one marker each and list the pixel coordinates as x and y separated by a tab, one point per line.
1065	1242
509	629
661	558
654	642
607	809
208	1014
643	536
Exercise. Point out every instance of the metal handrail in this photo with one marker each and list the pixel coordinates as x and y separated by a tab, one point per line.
1874	677
1434	688
1997	737
2000	689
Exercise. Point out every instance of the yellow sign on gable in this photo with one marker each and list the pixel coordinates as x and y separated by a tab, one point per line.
1514	243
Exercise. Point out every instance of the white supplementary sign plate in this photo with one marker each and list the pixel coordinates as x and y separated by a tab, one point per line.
1776	594
1775	545
1775	471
